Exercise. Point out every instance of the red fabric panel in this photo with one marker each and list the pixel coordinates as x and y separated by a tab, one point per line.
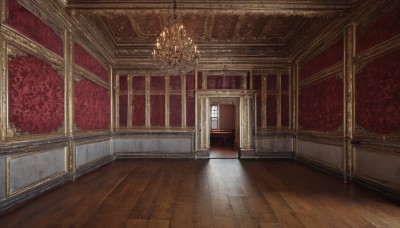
157	83
190	112
321	105
378	95
285	110
139	83
175	83
91	106
123	83
157	115
175	111
257	82
36	95
28	24
224	82
259	110
271	111
190	82
285	82
325	59
271	82
87	61
139	110
123	109
378	31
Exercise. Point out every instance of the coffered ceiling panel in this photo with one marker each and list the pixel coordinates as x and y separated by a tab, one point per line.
223	27
225	31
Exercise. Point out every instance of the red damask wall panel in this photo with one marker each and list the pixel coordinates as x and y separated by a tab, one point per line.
36	95
285	110
190	100
123	83
175	112
87	61
91	106
175	83
199	80
257	82
321	105
139	110
271	82
224	82
271	111
28	24
123	109
157	115
157	83
285	82
379	30
378	95
325	59
139	83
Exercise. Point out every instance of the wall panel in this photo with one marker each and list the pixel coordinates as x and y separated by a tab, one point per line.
89	152
325	154
33	168
377	165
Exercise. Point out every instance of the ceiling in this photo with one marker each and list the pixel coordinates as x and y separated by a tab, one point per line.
237	33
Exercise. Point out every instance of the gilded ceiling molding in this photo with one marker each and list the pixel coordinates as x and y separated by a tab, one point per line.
224	72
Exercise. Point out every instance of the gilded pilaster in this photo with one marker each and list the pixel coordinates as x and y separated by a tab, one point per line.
69	97
112	98
349	91
290	87
264	101
279	101
147	89
204	81
117	91
167	103
251	81
244	84
3	11
3	88
183	99
130	101
295	105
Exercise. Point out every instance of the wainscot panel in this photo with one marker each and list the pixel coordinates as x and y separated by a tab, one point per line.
377	166
2	177
154	146
91	152
274	146
328	155
26	171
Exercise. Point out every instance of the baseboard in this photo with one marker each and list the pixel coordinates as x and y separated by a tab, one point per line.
10	204
92	166
125	155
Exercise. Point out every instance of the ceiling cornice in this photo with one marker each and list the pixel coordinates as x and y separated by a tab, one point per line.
277	7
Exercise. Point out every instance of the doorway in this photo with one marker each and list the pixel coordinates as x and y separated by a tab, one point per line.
223	131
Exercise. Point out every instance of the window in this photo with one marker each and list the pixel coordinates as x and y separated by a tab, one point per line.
214	117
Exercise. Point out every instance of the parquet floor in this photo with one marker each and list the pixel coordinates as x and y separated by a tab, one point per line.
223	151
207	193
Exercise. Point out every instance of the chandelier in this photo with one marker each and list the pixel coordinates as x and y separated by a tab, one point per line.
175	51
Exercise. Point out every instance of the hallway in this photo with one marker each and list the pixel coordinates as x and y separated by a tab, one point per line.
207	193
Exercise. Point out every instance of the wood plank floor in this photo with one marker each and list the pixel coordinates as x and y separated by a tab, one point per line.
214	193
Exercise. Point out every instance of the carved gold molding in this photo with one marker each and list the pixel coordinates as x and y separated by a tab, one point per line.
30	46
82	72
130	102
335	70
3	89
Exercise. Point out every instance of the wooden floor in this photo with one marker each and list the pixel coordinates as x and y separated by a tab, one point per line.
214	193
223	151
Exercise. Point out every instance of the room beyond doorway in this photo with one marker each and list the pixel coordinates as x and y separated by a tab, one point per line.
223	127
